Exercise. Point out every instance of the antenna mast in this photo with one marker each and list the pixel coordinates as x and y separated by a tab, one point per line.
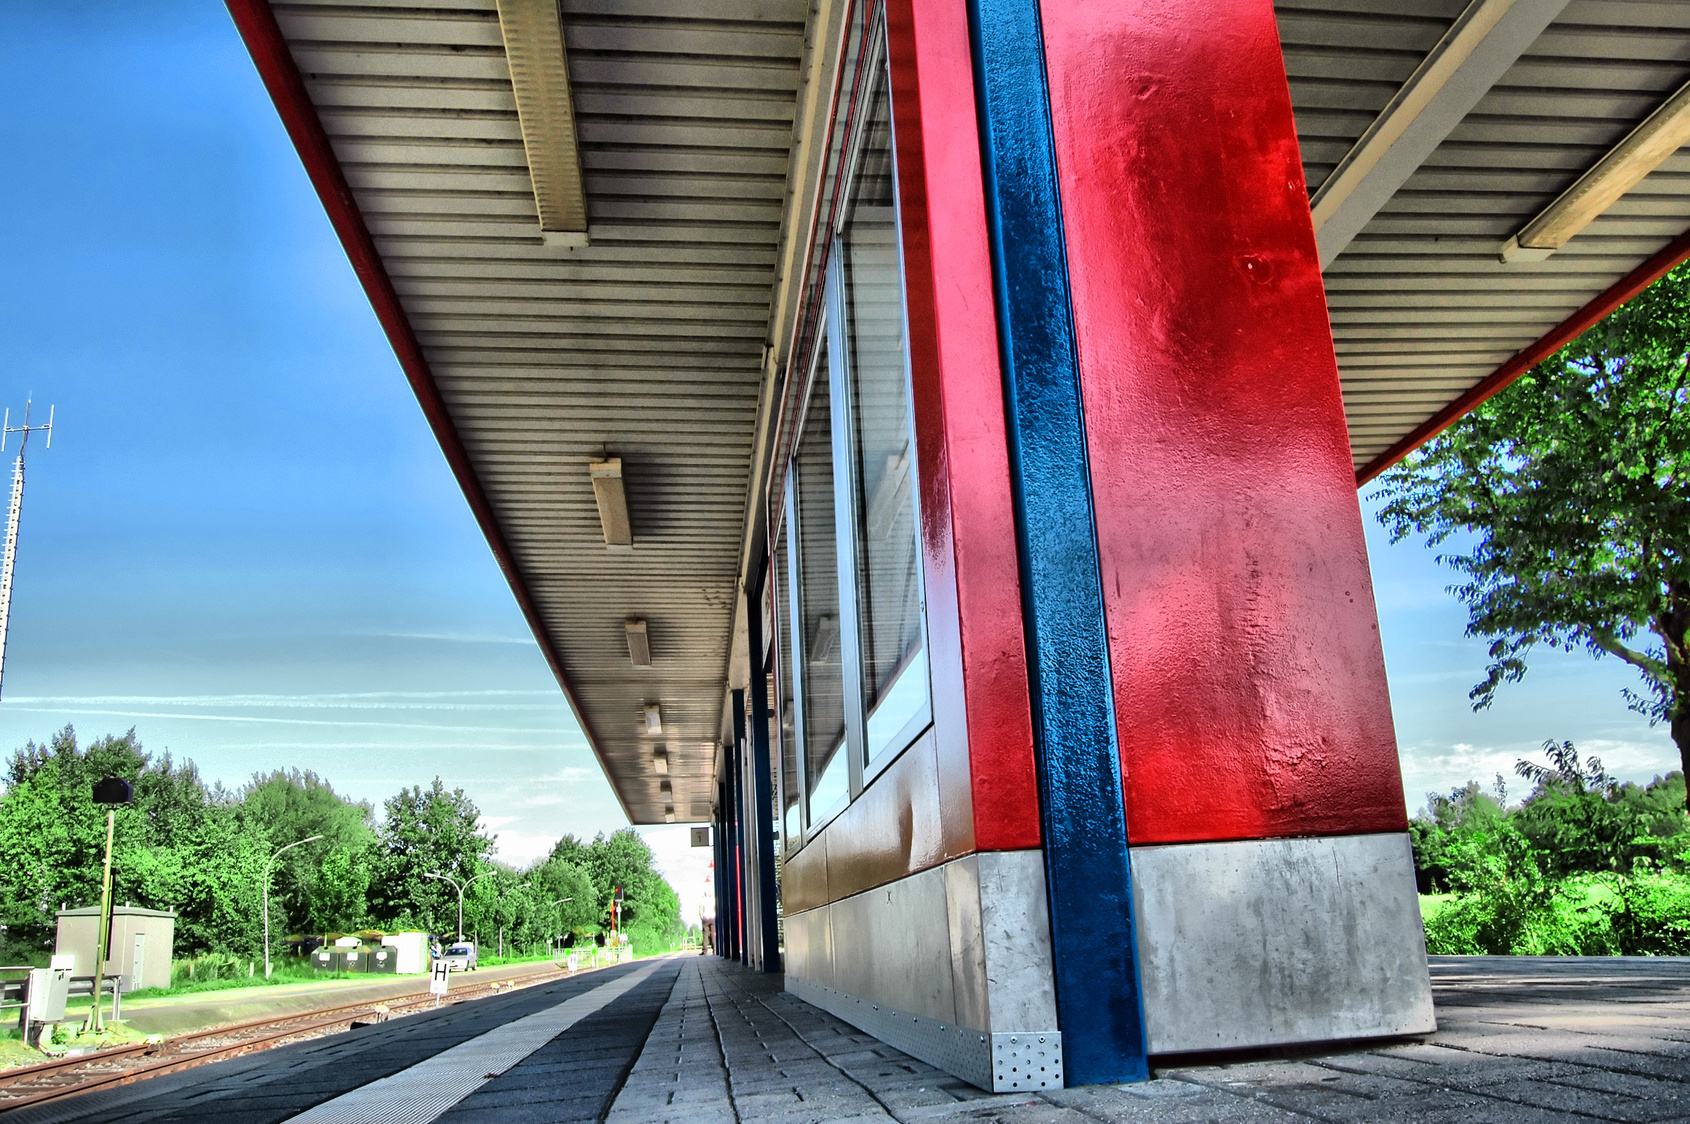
6	430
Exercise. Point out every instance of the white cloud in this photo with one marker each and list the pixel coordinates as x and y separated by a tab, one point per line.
270	721
686	867
1442	768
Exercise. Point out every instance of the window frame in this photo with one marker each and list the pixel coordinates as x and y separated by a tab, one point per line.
830	342
846	483
790	516
781	670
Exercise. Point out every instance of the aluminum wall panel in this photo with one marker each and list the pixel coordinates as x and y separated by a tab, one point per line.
1275	941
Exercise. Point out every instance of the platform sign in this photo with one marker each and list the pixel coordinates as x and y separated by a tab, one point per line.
437	982
701	837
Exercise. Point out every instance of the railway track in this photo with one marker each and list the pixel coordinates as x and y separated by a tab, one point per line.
67	1077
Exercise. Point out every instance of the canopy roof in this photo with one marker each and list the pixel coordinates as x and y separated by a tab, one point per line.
654	337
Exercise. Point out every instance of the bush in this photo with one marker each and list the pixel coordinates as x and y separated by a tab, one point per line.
1646	913
1585	866
650	940
210	966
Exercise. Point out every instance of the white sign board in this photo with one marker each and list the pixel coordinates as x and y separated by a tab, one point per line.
437	983
701	837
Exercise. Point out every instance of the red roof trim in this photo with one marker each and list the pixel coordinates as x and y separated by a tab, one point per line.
1562	334
269	50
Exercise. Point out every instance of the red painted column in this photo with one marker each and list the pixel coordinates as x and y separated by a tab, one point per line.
1249	683
979	663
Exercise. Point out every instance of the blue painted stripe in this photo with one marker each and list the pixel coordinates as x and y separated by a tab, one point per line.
1085	836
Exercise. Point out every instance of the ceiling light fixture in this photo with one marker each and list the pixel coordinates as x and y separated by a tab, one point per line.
639	645
612	501
1643	150
545	112
660	760
669	814
653	719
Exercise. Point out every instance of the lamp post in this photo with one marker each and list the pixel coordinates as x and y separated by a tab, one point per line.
498	904
110	791
460	889
267	867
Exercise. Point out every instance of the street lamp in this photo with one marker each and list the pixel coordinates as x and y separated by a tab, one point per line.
498	904
267	866
110	791
461	889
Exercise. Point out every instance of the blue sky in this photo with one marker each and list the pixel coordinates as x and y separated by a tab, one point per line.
244	541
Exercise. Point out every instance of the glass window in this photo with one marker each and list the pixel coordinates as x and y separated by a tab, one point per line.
894	657
786	711
821	720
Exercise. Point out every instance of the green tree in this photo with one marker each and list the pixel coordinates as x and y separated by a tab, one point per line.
427	831
290	805
1584	820
1566	508
571	850
339	891
554	879
1465	811
180	845
624	859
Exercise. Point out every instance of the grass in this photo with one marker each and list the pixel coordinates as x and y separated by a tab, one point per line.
501	961
14	1053
67	1036
291	972
1430	904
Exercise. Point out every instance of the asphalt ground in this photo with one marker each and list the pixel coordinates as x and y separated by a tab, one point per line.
581	1069
695	1040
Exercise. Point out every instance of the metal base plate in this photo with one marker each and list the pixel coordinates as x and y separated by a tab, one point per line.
1000	1063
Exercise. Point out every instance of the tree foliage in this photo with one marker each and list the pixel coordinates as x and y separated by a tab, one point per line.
201	850
427	831
624	859
179	845
287	806
1584	865
1564	505
555	879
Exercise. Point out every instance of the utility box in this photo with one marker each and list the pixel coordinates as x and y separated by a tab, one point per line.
358	960
329	960
49	988
410	952
384	959
142	944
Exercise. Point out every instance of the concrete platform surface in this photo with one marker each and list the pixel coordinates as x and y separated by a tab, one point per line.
694	1040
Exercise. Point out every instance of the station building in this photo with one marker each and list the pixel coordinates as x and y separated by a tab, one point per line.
924	437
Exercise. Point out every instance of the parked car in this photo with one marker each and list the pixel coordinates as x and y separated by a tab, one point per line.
459	957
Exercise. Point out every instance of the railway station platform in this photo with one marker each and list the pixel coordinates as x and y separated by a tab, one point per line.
701	1040
923	437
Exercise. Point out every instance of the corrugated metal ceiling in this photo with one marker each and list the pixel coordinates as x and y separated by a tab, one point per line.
646	345
1421	306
